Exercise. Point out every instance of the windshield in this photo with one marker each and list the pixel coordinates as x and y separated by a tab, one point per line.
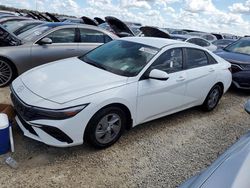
241	46
121	57
10	23
31	34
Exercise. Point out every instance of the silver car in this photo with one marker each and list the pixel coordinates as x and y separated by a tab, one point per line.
49	42
230	170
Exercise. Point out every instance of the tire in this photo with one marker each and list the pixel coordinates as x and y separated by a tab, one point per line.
212	98
7	73
100	132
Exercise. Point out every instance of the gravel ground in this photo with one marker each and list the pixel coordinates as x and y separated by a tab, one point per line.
162	153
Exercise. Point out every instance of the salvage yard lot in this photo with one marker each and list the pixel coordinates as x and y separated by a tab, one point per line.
161	153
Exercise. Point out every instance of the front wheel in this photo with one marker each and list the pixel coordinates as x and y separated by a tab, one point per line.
213	98
106	127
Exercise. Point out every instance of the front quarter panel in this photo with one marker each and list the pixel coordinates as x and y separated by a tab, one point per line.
20	56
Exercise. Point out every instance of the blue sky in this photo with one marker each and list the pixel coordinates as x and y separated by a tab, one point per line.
230	16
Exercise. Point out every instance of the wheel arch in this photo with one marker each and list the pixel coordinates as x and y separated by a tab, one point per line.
118	105
11	63
221	85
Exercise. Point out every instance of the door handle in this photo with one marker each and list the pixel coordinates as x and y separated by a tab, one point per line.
70	49
181	78
211	70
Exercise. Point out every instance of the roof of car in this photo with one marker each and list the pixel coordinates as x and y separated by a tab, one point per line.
56	24
153	41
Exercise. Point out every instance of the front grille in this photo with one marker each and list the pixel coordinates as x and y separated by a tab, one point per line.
22	109
27	112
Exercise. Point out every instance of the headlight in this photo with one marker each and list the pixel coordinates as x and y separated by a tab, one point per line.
245	66
60	114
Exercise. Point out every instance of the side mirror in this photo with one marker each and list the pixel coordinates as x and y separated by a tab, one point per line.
44	41
158	75
247	107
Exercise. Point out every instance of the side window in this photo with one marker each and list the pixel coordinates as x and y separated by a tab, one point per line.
192	40
198	42
63	36
203	43
209	37
170	61
92	36
195	58
211	59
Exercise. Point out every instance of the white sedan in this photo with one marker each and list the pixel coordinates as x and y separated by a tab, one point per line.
117	86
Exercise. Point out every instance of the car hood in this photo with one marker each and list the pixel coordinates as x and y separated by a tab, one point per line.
89	21
99	20
233	57
231	169
119	27
69	79
149	31
8	39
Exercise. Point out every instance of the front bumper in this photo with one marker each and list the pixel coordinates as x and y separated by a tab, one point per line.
241	79
46	134
58	133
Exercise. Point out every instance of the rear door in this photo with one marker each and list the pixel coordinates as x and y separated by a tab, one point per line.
157	98
64	45
90	39
201	74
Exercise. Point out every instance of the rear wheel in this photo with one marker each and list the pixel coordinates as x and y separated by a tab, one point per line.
213	98
6	73
106	127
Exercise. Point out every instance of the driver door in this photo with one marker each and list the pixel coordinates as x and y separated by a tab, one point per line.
63	46
157	98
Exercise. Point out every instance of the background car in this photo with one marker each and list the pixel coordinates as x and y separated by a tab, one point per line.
195	40
231	169
238	54
222	43
118	85
209	37
22	26
49	42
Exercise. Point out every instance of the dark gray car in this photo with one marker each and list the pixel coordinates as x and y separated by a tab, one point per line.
46	43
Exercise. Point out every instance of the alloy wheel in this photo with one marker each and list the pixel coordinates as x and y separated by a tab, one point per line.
214	97
108	128
5	73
